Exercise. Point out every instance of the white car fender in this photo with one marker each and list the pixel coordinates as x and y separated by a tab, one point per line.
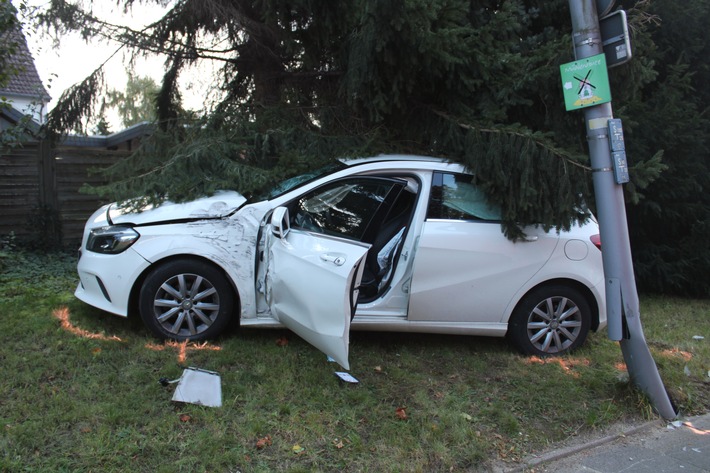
232	250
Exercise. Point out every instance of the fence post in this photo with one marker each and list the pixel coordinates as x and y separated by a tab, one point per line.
47	175
48	220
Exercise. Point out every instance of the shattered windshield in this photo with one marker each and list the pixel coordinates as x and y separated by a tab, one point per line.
296	181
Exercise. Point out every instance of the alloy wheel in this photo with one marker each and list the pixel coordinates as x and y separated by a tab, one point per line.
554	324
186	305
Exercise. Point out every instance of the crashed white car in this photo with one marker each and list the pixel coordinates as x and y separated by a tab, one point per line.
391	243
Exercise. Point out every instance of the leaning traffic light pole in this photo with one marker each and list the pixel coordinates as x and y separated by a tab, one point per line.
586	87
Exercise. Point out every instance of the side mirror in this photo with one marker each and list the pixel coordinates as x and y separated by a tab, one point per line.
280	222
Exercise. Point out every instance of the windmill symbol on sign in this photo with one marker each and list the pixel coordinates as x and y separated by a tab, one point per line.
585	87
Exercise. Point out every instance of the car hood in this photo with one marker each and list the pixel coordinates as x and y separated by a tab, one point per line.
218	205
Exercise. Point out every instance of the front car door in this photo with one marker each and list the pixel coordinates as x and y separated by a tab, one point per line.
316	248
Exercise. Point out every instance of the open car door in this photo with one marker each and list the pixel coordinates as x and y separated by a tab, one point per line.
311	284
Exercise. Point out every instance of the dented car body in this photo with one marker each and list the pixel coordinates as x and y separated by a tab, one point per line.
392	243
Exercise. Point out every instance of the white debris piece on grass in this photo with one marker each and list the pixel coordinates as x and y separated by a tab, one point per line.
198	386
347	377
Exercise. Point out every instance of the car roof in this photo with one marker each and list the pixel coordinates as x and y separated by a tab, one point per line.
392	158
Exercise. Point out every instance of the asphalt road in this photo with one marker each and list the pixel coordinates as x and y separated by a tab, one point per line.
654	447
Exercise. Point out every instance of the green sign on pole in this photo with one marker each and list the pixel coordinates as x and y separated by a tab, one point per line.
585	83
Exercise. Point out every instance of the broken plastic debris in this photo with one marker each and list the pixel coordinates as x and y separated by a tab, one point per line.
331	360
347	377
674	425
201	387
698	337
165	381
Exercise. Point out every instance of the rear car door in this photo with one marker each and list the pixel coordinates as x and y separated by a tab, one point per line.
465	269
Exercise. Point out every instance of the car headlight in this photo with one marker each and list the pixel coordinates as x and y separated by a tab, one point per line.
112	239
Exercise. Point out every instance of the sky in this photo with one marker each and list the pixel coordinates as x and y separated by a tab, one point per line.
74	59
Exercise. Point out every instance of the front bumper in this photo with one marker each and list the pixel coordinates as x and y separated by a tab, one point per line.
106	280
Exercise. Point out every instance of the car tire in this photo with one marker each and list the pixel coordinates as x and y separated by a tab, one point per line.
186	300
550	321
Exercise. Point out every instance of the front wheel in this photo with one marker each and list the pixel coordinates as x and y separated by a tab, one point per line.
550	320
186	300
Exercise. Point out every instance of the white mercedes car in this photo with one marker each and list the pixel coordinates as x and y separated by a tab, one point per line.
390	243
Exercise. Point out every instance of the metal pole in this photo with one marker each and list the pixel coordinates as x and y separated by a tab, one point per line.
621	294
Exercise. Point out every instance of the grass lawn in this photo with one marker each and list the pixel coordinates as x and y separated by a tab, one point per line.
80	391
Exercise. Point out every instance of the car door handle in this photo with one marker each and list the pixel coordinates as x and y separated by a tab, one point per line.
336	259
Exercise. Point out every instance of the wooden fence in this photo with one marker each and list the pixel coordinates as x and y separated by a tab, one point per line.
39	183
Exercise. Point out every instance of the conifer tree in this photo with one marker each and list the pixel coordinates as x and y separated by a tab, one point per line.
305	82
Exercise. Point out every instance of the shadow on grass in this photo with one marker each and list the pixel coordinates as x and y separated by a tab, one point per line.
392	341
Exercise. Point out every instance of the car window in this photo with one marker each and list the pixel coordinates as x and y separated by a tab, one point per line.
455	197
343	208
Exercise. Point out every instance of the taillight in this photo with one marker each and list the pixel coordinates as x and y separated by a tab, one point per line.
597	241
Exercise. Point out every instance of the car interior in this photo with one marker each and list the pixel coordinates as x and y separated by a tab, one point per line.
374	210
386	246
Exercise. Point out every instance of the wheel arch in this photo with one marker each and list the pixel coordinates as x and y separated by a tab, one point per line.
581	287
138	283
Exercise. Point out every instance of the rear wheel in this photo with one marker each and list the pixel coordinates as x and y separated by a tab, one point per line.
550	320
186	300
